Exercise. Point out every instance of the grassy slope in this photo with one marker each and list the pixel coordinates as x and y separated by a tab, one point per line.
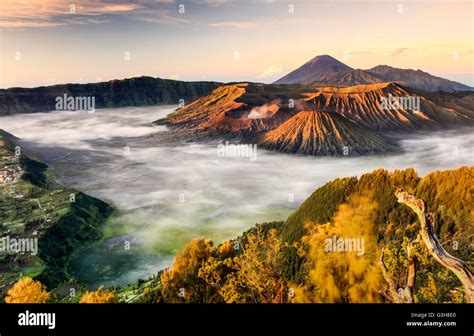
45	212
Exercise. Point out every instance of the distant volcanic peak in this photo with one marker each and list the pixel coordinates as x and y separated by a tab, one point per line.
323	133
316	70
323	58
356	76
327	70
417	79
325	62
384	69
389	73
380	68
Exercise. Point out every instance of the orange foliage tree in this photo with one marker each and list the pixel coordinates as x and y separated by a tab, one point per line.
100	296
345	275
27	290
255	275
181	283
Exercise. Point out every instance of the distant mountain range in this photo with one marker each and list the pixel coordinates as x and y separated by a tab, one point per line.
145	91
322	108
313	120
325	69
139	91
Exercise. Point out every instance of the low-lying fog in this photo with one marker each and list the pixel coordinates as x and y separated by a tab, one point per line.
170	194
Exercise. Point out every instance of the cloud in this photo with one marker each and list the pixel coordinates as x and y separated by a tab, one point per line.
49	9
162	19
55	13
118	8
213	2
17	14
272	70
27	24
264	111
235	24
399	51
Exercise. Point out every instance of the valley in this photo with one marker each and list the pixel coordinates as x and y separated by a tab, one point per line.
117	194
168	193
203	157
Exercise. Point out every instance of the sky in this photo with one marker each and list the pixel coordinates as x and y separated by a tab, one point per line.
45	42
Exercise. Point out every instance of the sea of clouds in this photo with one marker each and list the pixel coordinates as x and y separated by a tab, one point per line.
169	194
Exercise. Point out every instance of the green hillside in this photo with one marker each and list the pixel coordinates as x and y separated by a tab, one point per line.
449	194
34	207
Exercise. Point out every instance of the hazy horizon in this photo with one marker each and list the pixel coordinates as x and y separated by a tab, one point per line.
463	79
49	42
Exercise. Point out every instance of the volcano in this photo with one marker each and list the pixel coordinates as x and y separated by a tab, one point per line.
325	69
314	120
321	69
363	104
324	133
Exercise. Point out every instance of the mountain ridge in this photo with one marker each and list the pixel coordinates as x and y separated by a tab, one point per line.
136	91
317	71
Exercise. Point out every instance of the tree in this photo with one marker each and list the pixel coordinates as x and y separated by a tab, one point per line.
255	275
100	296
27	290
402	295
433	245
181	283
338	272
